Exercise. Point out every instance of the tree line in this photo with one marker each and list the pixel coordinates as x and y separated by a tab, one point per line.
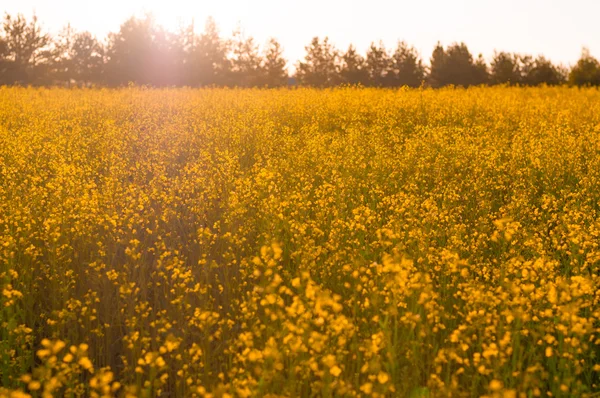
142	52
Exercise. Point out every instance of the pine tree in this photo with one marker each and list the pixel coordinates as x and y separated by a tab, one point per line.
379	66
246	63
353	68
586	72
274	73
505	69
27	55
407	68
320	66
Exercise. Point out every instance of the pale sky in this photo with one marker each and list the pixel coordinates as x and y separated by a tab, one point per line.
556	29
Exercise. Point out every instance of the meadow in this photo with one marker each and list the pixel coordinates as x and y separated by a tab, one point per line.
345	242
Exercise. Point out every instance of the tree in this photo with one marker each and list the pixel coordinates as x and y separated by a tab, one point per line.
87	58
379	65
246	64
78	58
274	73
541	71
61	53
438	75
5	62
480	72
3	57
586	71
407	68
143	53
25	51
129	52
353	68
166	58
505	68
320	65
207	58
455	65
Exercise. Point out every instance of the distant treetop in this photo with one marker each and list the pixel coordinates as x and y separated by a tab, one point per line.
144	53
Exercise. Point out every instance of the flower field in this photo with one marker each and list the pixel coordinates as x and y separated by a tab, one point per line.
345	242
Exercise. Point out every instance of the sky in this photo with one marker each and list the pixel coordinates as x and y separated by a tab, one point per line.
555	29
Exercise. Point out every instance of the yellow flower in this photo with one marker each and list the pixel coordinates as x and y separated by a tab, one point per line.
383	377
34	385
367	388
85	363
255	355
160	362
496	385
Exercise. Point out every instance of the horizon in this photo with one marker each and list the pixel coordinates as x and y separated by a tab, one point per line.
504	31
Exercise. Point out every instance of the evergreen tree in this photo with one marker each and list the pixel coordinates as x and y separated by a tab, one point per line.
78	58
143	53
586	71
320	65
480	72
541	71
274	73
246	63
166	60
455	66
353	68
438	75
505	68
129	53
407	68
87	55
26	53
61	62
209	62
4	62
379	66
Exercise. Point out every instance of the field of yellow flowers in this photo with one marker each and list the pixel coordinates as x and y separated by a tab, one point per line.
346	242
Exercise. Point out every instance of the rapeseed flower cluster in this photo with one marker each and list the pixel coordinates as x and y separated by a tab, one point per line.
346	242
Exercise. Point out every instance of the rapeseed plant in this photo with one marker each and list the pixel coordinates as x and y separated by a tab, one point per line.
346	242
